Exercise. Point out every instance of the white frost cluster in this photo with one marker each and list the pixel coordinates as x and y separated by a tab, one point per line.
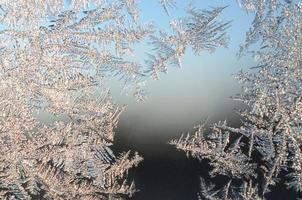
200	30
54	58
270	139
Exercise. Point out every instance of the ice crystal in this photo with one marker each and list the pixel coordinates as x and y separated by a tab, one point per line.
57	119
54	57
269	141
200	30
168	4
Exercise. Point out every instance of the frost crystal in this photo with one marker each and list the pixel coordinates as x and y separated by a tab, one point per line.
54	57
269	141
200	30
168	4
57	119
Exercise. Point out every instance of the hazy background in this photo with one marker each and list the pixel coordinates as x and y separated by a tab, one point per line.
200	89
176	103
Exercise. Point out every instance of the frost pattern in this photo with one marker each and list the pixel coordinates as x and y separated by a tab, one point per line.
167	4
201	30
54	58
57	118
269	141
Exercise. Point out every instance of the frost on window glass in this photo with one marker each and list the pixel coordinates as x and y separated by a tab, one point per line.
269	141
57	118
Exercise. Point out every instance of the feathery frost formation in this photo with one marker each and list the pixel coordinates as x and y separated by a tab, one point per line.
270	140
200	30
54	58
